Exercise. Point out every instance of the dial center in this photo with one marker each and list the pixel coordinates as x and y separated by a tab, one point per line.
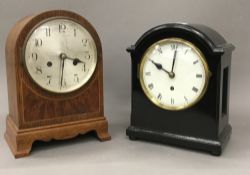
171	75
63	56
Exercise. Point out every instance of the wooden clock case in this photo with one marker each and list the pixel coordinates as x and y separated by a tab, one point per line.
203	126
36	114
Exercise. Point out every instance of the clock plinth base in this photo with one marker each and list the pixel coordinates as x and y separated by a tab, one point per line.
215	147
20	140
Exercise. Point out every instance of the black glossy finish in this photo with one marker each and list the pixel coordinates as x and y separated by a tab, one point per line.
203	126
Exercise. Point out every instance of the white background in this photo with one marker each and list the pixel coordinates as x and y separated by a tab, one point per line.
119	24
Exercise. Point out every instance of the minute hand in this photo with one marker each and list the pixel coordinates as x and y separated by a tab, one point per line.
61	81
175	52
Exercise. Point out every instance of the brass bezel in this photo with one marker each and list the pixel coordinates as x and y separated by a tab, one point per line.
23	49
153	99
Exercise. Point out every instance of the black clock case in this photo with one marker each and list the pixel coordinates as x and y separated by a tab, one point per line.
204	126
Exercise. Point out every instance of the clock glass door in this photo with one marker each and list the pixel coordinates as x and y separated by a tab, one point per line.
174	74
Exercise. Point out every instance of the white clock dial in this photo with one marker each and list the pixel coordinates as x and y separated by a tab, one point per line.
60	55
174	74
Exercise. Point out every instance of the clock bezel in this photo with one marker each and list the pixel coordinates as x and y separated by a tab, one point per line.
23	49
153	99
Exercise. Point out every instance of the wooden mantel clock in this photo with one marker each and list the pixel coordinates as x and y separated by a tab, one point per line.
180	87
55	80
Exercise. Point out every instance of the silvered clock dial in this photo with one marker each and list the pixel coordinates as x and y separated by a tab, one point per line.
60	55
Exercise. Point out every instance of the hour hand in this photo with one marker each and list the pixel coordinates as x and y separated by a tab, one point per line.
159	67
75	60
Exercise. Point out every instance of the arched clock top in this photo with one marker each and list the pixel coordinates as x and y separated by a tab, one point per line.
207	39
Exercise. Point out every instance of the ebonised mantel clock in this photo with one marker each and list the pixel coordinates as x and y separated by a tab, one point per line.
180	87
55	80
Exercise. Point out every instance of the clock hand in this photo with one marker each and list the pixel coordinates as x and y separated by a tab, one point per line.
166	71
62	57
60	69
172	70
159	66
75	60
175	52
